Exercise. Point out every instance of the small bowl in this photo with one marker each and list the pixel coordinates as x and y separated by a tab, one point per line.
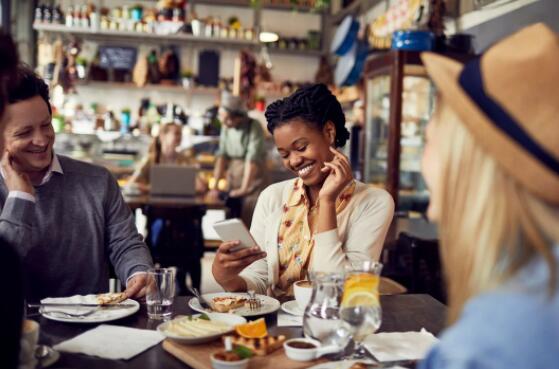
221	364
301	354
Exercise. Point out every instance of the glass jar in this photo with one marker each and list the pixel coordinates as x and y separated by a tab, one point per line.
321	320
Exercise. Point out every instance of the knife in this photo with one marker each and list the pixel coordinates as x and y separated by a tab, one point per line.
390	364
31	306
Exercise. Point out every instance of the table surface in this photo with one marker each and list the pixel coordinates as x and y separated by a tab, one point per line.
400	313
175	202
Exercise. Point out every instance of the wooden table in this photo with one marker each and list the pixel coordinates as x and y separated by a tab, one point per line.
400	313
171	202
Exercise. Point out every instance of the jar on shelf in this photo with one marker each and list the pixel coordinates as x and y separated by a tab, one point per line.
208	28
249	34
70	17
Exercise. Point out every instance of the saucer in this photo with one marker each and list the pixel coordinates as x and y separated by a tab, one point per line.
293	308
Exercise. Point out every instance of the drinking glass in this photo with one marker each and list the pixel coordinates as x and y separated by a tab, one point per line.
360	309
160	293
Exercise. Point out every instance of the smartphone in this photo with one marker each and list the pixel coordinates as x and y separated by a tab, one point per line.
233	230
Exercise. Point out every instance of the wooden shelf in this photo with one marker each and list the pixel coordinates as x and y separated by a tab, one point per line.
265	5
142	37
297	52
129	37
199	90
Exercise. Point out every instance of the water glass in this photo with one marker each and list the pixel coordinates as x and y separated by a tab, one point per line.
160	293
360	308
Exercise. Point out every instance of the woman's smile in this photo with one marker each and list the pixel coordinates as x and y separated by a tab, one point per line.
306	170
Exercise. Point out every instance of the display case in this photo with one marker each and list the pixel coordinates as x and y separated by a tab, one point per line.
399	101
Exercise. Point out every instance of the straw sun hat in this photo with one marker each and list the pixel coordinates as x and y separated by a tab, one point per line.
509	100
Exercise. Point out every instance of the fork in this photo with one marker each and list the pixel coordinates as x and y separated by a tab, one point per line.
71	315
205	305
254	303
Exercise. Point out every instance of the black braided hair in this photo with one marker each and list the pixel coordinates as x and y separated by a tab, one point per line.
313	104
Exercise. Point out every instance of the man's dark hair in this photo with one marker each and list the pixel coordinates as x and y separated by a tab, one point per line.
315	105
27	85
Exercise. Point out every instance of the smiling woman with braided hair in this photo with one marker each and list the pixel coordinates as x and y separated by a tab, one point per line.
320	220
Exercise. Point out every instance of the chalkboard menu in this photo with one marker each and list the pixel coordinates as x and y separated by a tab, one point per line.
115	57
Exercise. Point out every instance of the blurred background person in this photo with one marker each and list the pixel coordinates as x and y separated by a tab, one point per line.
175	239
164	149
492	165
241	158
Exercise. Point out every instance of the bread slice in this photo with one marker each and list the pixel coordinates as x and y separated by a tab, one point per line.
224	304
260	346
111	298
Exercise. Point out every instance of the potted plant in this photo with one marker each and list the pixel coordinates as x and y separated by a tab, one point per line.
187	78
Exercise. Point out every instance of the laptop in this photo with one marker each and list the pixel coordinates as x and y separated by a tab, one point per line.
173	180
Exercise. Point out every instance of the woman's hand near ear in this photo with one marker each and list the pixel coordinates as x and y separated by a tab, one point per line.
339	176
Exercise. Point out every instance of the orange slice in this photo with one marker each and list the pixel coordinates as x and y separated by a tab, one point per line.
361	289
255	329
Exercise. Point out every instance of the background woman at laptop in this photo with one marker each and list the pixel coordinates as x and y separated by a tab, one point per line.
163	150
320	220
176	240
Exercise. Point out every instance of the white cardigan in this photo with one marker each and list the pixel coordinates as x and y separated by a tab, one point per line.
362	227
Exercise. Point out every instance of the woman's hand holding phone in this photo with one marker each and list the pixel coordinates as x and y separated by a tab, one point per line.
15	181
339	176
228	263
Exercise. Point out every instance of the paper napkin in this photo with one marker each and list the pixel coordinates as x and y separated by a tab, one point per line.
288	320
112	342
400	345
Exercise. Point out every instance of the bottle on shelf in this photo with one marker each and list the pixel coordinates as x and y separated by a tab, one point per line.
70	16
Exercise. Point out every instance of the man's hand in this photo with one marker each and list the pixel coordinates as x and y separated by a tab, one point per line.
213	195
137	286
15	181
238	192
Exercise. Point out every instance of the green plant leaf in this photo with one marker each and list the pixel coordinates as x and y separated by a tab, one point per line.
204	316
243	352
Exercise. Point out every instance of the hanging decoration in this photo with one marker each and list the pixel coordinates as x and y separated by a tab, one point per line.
316	5
402	15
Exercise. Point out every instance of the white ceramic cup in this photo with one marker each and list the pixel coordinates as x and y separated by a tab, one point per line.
28	343
302	291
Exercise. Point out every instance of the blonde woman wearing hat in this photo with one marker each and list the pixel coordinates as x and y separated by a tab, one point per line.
241	157
492	164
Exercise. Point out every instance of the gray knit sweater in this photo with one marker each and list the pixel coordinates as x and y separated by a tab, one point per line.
78	224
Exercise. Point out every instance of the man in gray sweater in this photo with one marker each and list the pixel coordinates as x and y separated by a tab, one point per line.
65	218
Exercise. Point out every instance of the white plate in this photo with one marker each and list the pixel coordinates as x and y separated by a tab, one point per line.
99	316
269	304
230	319
345	364
293	308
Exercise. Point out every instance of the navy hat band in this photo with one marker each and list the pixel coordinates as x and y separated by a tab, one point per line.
471	80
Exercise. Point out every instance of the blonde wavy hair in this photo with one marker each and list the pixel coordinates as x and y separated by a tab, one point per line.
491	226
154	150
